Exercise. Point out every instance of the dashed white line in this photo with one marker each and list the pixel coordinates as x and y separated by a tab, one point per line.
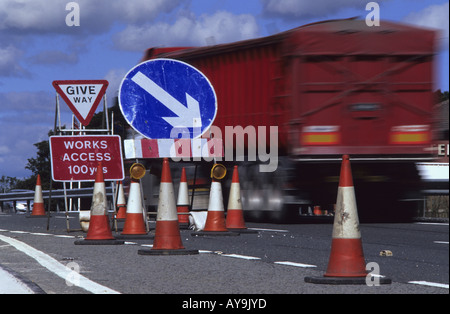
431	284
295	264
273	230
62	271
64	236
432	223
241	256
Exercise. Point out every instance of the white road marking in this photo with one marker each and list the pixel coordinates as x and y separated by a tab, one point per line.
295	264
64	236
241	256
273	230
431	284
57	268
440	242
432	223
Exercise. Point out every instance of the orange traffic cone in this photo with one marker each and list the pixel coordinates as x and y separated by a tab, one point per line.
121	203
317	211
38	204
235	215
346	264
167	233
99	231
183	201
134	226
215	224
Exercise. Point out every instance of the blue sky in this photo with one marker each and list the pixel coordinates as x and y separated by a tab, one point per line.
37	47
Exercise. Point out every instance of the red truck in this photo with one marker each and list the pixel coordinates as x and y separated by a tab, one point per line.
330	88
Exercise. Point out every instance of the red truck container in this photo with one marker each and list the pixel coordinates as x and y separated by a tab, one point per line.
332	88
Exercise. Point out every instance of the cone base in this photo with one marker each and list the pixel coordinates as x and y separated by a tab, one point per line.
242	230
167	252
99	242
135	236
345	280
214	233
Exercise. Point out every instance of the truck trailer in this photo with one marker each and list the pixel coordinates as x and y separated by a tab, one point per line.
319	91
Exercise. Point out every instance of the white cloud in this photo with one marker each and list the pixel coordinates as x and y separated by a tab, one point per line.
25	24
188	30
434	16
48	16
291	9
9	62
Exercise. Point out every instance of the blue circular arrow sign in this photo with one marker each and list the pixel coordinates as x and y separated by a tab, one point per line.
163	98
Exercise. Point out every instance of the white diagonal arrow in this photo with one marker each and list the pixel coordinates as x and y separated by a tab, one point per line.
187	116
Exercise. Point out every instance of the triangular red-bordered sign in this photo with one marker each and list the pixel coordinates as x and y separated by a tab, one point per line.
82	96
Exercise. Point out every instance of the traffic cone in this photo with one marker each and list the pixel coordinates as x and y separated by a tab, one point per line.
134	226
317	211
346	264
183	201
235	215
121	203
167	233
38	204
215	224
99	231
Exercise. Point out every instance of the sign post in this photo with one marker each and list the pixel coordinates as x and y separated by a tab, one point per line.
74	157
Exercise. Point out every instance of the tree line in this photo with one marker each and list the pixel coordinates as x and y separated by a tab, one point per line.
41	163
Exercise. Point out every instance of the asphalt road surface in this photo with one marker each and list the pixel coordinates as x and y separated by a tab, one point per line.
275	260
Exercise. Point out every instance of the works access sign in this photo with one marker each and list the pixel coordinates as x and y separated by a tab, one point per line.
82	96
75	158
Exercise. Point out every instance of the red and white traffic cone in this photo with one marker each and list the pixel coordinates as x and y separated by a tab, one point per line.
121	203
134	226
38	204
183	201
346	264
167	239
235	215
215	224
99	231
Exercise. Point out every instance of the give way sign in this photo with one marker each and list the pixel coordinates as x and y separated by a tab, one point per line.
82	96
